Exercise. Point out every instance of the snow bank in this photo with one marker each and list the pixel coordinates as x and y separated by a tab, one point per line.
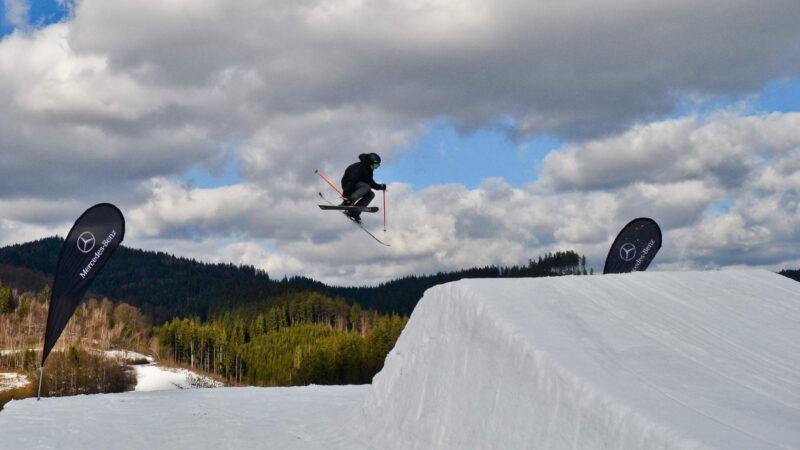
645	360
639	361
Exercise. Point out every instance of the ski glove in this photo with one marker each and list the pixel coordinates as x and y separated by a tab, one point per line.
381	187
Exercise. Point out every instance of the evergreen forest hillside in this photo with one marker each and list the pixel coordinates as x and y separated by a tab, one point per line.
296	339
163	286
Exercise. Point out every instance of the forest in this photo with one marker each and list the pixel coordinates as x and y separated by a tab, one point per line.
296	339
302	338
164	286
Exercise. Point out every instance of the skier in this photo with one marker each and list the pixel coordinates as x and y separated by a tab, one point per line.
357	183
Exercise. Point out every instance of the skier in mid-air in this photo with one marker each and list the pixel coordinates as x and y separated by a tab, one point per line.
357	183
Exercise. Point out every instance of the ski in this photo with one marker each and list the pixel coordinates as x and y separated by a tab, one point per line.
354	222
368	232
369	209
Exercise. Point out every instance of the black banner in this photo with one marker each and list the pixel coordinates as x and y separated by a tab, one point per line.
635	247
89	245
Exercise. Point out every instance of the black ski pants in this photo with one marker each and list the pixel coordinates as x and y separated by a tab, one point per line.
361	196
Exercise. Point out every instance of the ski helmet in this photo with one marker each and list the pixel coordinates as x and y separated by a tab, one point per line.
373	158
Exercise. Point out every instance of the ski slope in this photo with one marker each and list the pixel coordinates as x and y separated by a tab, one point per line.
641	361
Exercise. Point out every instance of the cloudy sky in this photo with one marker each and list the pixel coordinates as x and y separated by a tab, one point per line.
507	129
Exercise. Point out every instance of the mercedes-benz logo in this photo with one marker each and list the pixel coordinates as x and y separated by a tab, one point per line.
86	242
627	252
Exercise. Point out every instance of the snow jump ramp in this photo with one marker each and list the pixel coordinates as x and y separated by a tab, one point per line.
635	361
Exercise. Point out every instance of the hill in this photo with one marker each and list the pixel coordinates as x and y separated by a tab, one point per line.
647	361
163	286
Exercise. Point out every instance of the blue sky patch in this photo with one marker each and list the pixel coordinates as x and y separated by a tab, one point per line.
204	178
444	155
40	13
781	96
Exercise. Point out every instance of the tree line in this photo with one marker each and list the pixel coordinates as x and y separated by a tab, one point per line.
793	274
401	296
298	339
163	286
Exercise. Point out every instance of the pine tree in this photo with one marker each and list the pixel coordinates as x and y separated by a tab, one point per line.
6	300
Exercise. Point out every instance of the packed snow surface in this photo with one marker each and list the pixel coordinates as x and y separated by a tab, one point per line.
223	418
640	361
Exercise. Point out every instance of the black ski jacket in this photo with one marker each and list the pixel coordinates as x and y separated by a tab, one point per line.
360	171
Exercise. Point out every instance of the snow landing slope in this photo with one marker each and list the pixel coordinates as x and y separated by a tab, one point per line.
640	361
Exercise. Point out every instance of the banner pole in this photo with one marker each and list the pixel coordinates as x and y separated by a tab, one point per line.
41	377
329	183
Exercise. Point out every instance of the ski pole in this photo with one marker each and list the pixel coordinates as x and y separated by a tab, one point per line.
329	183
384	210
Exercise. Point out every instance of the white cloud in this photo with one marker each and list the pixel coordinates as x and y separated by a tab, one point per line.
122	98
449	227
17	13
44	77
159	87
722	149
15	232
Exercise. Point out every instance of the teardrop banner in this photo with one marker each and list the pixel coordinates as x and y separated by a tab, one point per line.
635	247
88	246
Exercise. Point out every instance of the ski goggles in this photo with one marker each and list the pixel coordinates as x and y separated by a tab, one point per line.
375	165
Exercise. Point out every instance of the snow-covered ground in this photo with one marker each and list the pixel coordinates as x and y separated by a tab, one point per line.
128	356
10	352
223	418
154	377
151	377
12	380
640	361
